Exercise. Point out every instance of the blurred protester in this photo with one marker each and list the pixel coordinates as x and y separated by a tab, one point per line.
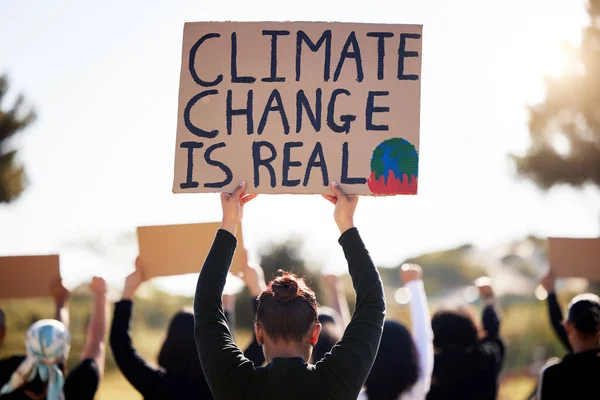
254	278
332	330
2	328
576	376
337	299
466	366
40	374
404	363
179	374
333	319
286	321
555	314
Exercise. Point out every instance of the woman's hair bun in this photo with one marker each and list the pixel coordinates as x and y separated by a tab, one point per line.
285	288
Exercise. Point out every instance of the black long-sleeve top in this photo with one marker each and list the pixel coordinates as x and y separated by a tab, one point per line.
470	374
340	375
575	377
151	382
556	320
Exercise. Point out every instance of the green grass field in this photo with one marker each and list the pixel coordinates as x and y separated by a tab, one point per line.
114	386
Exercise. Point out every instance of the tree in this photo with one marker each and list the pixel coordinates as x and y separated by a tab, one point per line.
571	109
12	121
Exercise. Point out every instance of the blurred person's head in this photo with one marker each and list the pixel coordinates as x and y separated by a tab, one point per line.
328	337
396	367
331	332
47	344
287	322
329	315
2	327
178	354
454	329
583	322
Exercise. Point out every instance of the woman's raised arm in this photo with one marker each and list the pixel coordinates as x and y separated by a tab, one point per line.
95	343
226	369
412	276
344	370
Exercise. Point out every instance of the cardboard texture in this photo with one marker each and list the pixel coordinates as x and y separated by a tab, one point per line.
28	276
168	250
290	107
575	258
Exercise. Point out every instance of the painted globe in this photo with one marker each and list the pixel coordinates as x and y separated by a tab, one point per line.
394	168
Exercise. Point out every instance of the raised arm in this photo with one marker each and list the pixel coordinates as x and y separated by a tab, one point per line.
337	298
491	347
344	370
411	275
142	376
555	314
95	346
61	295
226	369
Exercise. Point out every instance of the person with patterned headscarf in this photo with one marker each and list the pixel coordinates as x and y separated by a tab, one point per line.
48	343
41	374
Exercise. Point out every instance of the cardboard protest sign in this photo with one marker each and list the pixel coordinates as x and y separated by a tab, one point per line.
28	276
168	250
290	107
575	258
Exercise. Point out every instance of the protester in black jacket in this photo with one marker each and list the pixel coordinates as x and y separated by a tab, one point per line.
576	376
178	375
286	322
555	314
466	367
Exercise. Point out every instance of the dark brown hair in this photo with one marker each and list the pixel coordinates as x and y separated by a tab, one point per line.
287	308
453	329
178	355
584	314
396	367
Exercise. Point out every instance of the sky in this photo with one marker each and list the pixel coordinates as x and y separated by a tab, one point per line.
103	78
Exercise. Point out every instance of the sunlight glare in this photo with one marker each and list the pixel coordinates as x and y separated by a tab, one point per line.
471	294
553	63
561	144
403	296
541	293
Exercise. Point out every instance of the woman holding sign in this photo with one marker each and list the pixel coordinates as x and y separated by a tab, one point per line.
287	324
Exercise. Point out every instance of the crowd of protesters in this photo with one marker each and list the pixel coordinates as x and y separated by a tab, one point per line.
300	349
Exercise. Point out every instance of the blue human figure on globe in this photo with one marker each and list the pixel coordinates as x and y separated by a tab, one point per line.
394	168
